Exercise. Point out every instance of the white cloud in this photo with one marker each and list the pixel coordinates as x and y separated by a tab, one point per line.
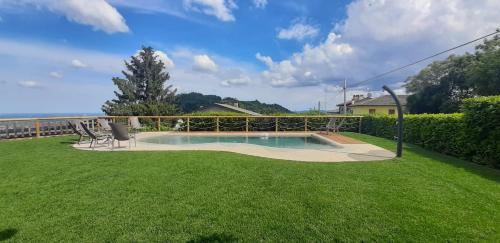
240	81
165	59
379	35
29	84
204	63
260	3
56	74
309	67
78	64
298	31
221	9
96	13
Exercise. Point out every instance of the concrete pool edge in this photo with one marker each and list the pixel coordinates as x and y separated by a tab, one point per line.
344	153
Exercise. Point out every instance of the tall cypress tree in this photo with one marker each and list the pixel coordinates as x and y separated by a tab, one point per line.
143	91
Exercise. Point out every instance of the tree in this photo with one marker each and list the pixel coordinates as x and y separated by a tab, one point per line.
484	73
143	91
440	87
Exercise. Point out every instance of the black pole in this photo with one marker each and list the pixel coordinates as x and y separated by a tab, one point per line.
399	152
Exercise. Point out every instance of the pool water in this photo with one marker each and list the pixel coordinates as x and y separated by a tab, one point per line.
302	142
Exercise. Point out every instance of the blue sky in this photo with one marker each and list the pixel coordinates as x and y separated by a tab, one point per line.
60	55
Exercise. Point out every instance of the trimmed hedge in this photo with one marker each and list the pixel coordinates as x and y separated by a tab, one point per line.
473	135
482	119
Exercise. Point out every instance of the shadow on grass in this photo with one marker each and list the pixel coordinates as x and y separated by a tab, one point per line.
485	171
216	237
7	234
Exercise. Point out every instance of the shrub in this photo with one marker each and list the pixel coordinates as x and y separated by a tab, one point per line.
482	119
443	133
473	135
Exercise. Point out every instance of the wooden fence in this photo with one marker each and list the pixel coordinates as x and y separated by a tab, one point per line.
38	127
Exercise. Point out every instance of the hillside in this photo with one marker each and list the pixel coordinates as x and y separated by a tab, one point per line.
192	102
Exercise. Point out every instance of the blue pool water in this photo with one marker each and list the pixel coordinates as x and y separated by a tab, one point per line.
302	142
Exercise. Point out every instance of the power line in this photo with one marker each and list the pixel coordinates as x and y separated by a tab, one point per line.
421	60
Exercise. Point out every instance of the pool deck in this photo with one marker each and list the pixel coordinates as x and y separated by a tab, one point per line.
347	149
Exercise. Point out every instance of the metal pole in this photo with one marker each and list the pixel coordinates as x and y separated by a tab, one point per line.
399	152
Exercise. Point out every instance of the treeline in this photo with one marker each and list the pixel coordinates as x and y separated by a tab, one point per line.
442	86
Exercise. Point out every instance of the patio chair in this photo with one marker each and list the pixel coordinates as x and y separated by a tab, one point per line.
76	129
334	124
120	133
330	126
104	124
95	137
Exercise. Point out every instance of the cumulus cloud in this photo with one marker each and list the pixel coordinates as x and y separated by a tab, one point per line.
204	63
310	67
56	74
162	56
298	31
29	84
379	35
96	13
240	81
221	9
78	64
260	3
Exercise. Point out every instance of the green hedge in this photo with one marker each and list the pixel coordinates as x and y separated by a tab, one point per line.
473	135
482	119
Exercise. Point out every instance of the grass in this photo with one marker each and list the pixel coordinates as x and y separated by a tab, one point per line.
51	192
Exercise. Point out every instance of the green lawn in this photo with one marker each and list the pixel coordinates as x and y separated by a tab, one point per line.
51	192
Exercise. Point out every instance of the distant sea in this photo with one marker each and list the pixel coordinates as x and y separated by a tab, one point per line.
39	115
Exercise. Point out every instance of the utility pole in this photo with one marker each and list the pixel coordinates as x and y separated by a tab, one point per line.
319	107
345	105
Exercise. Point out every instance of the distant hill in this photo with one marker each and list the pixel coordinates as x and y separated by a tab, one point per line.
192	102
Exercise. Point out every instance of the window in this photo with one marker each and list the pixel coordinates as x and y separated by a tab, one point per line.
392	112
371	111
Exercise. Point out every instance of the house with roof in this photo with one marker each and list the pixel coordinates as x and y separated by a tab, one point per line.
220	107
355	99
380	105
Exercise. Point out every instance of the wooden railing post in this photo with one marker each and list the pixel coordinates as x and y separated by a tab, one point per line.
37	128
159	124
276	124
188	124
305	124
217	122
246	124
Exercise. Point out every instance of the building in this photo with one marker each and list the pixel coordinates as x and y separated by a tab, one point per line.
349	103
219	107
381	105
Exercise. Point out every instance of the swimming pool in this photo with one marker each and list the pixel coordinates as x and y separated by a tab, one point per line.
298	142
